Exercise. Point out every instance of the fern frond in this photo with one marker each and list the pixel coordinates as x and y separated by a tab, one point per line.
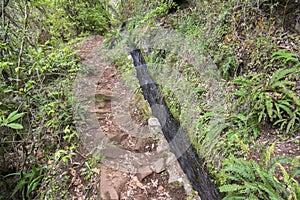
282	83
295	190
272	194
278	111
286	101
263	174
295	166
285	56
252	197
234	197
243	81
239	117
286	177
261	115
297	112
250	187
276	184
291	123
269	152
290	94
240	168
286	109
281	73
269	106
231	188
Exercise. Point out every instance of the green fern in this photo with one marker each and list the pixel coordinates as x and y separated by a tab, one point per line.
252	180
270	99
285	57
231	188
281	73
268	154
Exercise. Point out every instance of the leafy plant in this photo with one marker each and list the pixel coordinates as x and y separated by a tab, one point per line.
9	121
91	169
37	71
248	179
285	57
27	181
162	9
271	98
154	11
88	16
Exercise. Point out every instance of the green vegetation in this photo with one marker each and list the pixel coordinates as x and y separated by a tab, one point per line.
255	180
258	72
38	67
254	103
271	98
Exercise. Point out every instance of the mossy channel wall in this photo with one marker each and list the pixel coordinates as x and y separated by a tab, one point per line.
190	162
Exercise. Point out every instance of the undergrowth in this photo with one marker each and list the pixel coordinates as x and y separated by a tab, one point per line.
256	85
260	80
38	137
267	179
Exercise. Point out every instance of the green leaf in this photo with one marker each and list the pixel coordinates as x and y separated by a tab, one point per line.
13	174
240	80
291	124
261	114
14	116
278	113
286	177
14	126
269	106
291	94
285	56
239	117
279	74
269	152
19	186
282	83
251	187
33	185
234	197
230	188
286	109
252	197
295	172
270	191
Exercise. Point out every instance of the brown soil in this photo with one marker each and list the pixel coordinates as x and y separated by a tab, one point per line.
148	183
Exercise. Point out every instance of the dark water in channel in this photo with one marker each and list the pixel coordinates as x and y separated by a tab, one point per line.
190	162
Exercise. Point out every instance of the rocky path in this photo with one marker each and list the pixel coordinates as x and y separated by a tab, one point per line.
137	163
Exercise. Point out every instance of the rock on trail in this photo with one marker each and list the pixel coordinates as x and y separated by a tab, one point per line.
138	164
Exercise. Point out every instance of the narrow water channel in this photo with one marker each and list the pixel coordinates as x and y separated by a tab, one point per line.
190	162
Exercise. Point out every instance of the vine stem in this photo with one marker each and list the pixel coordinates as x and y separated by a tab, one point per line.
22	42
284	12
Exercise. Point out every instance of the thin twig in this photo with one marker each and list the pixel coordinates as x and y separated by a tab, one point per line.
23	41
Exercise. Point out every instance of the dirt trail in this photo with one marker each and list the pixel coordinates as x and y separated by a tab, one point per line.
138	165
